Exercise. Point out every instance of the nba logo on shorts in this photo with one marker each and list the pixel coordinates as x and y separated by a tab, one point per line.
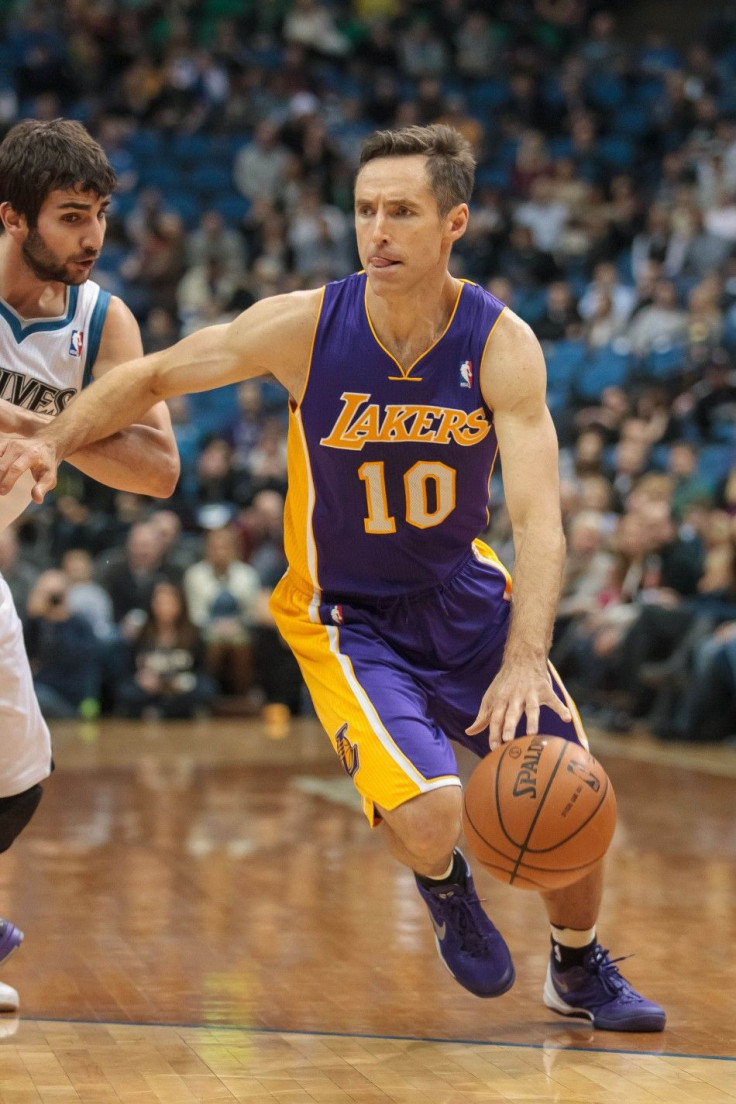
76	343
348	752
466	373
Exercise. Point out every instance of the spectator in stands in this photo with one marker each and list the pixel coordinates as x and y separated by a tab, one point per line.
129	578
606	282
214	239
682	464
85	597
664	322
560	319
168	678
543	214
221	593
261	164
18	573
63	651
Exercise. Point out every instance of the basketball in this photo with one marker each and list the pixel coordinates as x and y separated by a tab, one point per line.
539	812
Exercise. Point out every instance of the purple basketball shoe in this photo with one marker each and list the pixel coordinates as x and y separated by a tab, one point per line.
10	939
597	991
471	948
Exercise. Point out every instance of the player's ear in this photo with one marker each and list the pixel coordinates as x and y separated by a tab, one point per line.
457	221
14	223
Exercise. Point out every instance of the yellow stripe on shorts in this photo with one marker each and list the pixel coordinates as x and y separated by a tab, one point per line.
384	776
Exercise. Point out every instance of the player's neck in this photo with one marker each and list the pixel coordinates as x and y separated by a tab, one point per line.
23	291
408	325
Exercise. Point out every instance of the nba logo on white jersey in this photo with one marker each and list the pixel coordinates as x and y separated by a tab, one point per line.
466	373
76	343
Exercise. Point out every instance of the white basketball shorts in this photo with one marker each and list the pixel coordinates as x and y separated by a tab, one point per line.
25	743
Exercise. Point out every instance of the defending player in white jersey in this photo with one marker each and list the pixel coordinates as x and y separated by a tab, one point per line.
58	330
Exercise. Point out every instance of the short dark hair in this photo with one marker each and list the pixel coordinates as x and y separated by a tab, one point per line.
450	160
36	158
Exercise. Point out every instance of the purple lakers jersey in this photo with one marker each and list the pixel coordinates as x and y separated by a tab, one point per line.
389	469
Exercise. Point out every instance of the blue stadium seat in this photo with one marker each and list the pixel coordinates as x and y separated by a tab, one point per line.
607	367
565	360
191	149
186	206
487	97
214	411
616	151
146	145
493	176
232	207
164	176
665	362
211	178
632	121
715	462
649	91
559	147
606	90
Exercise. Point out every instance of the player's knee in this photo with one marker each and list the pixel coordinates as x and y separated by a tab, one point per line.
429	825
16	812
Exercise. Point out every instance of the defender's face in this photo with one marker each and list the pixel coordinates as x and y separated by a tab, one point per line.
68	236
400	234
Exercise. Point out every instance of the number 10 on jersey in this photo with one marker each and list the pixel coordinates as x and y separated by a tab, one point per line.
418	480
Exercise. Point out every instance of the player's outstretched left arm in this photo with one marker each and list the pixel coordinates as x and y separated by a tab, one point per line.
273	336
513	381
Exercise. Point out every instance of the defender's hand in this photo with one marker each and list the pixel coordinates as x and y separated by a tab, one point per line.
518	688
34	455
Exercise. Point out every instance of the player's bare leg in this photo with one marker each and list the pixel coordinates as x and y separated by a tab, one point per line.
422	834
582	980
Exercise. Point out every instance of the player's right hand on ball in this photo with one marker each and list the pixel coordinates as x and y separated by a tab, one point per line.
27	454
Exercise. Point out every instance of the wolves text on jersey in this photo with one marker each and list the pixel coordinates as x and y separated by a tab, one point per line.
362	422
33	394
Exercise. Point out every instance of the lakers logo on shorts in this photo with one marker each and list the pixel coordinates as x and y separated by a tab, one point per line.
348	752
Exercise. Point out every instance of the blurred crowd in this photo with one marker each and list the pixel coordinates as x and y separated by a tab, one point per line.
604	214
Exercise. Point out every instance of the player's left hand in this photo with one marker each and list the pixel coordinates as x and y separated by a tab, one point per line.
34	454
519	688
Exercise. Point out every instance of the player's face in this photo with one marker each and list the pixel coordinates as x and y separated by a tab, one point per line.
68	236
400	234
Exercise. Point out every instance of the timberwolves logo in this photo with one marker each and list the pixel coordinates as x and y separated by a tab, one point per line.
348	752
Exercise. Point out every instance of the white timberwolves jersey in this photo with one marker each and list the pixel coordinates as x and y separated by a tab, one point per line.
44	362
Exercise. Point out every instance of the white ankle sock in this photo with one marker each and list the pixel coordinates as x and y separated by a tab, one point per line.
571	937
446	875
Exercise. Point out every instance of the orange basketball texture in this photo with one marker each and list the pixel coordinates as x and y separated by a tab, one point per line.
539	812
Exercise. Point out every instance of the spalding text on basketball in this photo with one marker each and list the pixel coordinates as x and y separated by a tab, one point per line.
525	783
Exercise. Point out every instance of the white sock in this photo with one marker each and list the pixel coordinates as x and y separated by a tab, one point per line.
446	875
571	937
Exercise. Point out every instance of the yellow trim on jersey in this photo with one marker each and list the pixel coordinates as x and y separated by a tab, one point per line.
300	400
385	777
299	543
405	372
576	720
482	551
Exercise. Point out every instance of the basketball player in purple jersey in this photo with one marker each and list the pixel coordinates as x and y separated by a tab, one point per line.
58	330
404	383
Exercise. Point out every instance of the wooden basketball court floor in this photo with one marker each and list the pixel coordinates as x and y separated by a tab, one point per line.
208	918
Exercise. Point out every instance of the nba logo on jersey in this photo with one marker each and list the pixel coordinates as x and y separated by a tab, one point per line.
466	373
76	343
336	615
